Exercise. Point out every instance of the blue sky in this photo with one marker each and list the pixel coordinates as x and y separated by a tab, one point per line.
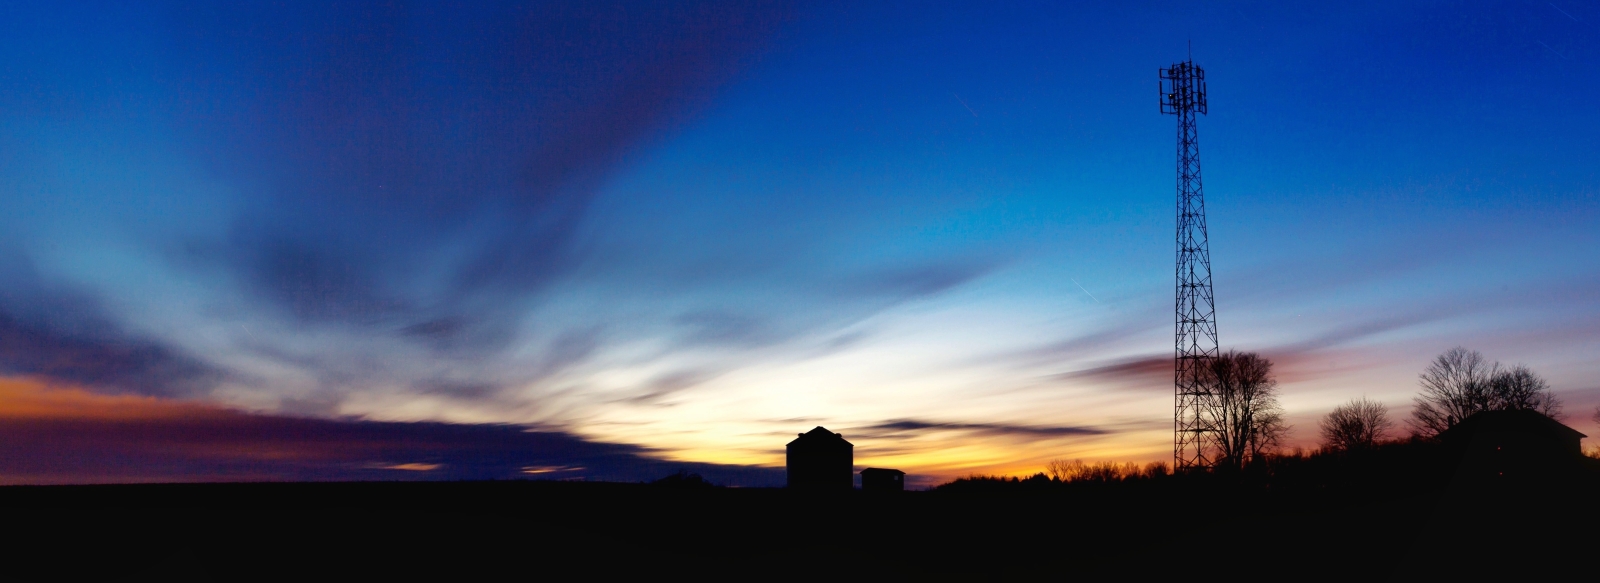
943	230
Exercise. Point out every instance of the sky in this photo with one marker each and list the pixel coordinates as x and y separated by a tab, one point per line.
592	240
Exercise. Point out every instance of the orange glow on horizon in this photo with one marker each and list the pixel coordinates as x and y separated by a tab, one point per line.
411	467
30	398
934	457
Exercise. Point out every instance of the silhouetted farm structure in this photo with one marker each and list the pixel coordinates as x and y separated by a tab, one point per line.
883	480
820	460
823	460
1513	448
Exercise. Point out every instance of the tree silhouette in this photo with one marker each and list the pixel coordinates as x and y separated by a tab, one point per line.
1519	388
1064	471
1596	451
1462	382
1356	425
1243	418
683	479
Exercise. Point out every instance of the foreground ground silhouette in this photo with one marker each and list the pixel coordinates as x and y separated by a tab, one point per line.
1404	528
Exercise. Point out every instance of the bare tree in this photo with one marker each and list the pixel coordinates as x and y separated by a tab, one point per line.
1595	453
1358	424
1454	386
1079	471
1063	470
1519	388
1462	382
1243	419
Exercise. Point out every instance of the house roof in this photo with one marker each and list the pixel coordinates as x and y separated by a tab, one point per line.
1521	420
820	436
882	470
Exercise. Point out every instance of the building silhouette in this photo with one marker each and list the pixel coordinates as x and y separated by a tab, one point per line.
821	460
883	480
1517	447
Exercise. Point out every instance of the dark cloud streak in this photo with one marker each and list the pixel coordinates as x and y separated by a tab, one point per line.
372	135
1152	372
55	330
110	359
903	426
191	444
921	280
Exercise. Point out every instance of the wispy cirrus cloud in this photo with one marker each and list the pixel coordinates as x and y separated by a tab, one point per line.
429	178
403	182
56	330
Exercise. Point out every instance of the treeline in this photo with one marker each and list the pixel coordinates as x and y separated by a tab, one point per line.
1064	472
1074	473
1401	467
1358	452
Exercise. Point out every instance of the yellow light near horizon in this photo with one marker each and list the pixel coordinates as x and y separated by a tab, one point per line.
412	467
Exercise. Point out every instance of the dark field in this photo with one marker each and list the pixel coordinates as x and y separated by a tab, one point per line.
539	530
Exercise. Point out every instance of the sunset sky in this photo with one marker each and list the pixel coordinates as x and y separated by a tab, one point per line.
429	240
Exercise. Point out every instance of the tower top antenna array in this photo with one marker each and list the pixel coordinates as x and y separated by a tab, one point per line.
1183	94
1183	90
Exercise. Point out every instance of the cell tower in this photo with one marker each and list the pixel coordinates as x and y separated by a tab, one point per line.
1183	93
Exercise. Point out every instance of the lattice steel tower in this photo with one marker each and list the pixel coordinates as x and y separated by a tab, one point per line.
1183	93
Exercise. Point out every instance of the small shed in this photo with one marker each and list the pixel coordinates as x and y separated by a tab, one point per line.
883	480
821	460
